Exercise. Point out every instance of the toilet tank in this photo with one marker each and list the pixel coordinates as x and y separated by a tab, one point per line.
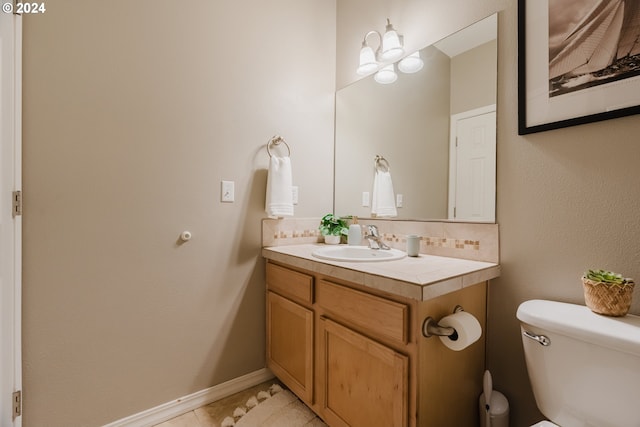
589	373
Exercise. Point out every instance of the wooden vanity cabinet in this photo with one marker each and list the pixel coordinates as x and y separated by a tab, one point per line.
357	356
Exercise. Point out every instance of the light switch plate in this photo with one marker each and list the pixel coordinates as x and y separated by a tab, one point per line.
365	198
227	192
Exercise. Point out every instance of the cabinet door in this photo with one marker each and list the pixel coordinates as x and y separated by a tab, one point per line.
290	344
365	382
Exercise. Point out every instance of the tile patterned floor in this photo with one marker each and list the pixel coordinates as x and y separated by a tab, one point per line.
214	413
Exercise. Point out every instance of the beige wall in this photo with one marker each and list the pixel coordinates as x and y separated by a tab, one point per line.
133	114
567	199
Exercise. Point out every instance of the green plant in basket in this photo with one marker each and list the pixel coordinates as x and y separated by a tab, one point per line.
331	225
606	292
607	277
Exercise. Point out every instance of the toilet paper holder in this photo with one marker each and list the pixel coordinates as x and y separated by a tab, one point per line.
430	327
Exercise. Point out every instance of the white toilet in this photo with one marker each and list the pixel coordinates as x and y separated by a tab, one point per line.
584	368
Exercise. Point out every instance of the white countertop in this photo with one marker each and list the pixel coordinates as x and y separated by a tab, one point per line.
420	278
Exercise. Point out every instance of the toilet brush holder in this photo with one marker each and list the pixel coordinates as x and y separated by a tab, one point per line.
498	412
493	406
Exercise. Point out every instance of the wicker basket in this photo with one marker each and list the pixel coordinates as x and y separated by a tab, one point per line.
610	300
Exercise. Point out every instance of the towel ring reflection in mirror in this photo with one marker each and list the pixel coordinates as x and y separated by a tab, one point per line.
276	140
381	164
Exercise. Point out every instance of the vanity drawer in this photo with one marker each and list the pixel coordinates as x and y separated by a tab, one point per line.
290	283
383	317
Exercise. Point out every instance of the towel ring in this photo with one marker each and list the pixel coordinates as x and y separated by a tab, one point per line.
381	164
276	140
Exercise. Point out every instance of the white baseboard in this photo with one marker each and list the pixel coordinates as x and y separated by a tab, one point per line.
172	409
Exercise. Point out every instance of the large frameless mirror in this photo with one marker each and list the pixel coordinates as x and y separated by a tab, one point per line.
436	128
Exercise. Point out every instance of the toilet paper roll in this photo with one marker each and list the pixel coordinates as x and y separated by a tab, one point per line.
467	328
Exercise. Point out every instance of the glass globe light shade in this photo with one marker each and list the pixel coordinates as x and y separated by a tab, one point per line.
411	64
391	44
386	75
368	61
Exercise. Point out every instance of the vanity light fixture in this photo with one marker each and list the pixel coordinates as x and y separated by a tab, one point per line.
390	48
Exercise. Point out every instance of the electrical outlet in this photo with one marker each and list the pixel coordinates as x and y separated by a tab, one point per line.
227	192
399	200
294	194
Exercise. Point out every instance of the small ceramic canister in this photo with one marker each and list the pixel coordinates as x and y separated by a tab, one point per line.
413	245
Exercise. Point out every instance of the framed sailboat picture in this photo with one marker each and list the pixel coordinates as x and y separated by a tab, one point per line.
578	62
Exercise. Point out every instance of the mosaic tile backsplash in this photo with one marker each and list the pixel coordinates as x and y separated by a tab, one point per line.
473	241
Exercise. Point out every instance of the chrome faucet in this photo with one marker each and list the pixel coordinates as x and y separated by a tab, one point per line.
372	235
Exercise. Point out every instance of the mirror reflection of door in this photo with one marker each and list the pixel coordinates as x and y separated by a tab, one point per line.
472	179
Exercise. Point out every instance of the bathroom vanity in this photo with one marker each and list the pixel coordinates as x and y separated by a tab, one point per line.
346	337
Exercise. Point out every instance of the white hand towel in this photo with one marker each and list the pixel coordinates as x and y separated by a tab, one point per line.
383	200
279	185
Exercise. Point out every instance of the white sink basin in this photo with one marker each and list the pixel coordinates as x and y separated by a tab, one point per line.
357	253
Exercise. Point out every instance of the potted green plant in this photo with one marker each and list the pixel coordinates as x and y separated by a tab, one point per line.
333	228
607	293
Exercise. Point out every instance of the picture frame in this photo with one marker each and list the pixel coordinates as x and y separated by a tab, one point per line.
546	102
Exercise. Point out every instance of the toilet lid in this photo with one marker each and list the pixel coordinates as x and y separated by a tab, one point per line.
545	424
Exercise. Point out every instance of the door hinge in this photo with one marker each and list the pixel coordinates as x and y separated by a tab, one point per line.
16	201
15	7
454	211
17	403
